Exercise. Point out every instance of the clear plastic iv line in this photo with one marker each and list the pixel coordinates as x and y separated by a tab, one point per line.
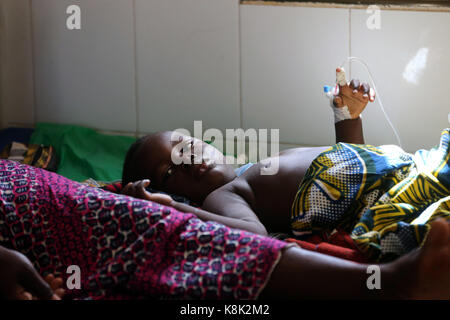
349	59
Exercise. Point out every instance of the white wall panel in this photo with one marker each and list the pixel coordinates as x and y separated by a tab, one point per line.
85	76
16	94
188	63
288	54
409	58
192	54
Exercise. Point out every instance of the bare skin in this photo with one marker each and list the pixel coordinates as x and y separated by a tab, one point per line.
20	281
253	202
56	285
421	274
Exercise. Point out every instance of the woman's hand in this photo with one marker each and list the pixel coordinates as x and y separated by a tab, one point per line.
137	190
354	95
19	280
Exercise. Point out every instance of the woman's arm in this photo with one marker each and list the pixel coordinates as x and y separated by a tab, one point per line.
228	206
350	103
349	131
245	221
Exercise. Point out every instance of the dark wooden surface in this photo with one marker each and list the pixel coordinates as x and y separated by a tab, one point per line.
392	2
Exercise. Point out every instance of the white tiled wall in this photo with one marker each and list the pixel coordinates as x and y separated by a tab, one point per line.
16	96
188	64
288	54
409	59
148	65
85	76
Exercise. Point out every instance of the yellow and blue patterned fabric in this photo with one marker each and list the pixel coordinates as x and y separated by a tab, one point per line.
385	197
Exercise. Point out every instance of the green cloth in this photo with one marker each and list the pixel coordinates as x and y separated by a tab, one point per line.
83	152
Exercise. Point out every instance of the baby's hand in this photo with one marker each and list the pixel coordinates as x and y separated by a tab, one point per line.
353	95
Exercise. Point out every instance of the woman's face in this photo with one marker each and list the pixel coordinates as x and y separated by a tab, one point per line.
184	165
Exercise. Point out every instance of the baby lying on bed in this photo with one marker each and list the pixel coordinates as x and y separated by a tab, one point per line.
376	193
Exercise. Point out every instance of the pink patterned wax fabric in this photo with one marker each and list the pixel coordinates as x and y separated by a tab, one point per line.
125	247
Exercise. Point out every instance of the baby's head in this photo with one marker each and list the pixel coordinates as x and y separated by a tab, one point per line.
157	157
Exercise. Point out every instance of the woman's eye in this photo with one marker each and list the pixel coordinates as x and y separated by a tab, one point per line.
168	174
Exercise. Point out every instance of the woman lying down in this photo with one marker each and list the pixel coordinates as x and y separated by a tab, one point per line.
383	196
134	248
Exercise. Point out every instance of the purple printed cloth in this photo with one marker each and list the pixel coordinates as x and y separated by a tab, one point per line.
125	247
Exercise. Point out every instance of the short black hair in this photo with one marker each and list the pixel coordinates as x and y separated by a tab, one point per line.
131	171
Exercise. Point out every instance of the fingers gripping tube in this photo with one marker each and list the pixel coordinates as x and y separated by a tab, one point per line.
332	92
341	111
